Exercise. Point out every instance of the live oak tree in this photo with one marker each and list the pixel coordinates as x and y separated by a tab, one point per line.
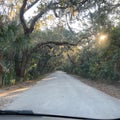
57	7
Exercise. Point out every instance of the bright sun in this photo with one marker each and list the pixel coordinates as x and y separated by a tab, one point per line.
102	39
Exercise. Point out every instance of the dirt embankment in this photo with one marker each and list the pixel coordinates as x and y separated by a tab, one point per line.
112	89
8	94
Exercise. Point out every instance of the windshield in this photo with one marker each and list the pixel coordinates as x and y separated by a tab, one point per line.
60	57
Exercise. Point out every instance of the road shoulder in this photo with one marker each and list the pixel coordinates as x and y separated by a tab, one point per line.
110	89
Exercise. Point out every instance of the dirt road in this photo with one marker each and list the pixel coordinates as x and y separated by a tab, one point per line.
62	94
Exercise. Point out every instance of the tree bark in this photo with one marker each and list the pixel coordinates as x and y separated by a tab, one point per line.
1	83
21	65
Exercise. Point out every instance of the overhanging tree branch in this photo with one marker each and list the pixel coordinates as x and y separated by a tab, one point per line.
37	17
22	11
29	30
32	4
51	6
37	47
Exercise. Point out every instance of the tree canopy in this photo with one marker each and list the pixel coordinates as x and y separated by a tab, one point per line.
34	33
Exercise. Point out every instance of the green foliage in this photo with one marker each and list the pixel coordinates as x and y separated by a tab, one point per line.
100	63
17	43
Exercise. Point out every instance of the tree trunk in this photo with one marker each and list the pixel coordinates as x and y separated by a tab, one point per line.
21	65
1	69
0	75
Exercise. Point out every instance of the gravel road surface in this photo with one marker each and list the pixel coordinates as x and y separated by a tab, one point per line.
61	94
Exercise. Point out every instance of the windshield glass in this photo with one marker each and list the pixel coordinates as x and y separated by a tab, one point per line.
60	57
